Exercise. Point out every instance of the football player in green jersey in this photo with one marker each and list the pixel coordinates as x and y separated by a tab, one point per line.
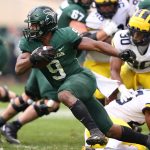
44	41
68	11
5	94
73	10
73	13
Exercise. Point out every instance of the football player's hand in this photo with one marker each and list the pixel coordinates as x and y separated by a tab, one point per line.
128	55
42	54
109	27
126	94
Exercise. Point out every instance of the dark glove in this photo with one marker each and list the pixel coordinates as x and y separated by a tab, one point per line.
43	53
127	55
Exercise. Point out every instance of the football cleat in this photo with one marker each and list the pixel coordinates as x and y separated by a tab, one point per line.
97	137
10	133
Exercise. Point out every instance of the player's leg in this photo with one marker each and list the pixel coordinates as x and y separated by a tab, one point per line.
16	105
6	95
113	143
20	103
143	80
38	109
76	89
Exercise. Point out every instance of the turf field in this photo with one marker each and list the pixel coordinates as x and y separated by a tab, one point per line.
49	134
58	131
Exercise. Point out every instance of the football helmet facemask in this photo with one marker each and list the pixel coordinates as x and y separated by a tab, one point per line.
105	12
40	20
139	27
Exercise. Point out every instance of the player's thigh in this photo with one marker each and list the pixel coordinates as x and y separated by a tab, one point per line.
128	76
31	87
143	80
45	88
81	85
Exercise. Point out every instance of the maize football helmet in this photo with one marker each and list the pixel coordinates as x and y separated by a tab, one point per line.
139	27
113	4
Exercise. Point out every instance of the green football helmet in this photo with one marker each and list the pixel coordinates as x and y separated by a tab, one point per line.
45	20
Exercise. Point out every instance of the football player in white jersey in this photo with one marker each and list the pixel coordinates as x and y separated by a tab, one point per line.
106	20
136	109
136	72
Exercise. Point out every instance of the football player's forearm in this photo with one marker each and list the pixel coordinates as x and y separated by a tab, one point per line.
107	49
22	66
101	35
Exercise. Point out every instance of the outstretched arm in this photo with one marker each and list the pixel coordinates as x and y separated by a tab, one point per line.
102	47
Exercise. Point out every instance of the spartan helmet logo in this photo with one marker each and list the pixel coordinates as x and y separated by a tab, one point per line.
50	16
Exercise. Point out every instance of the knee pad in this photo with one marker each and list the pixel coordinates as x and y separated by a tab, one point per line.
6	97
22	106
43	108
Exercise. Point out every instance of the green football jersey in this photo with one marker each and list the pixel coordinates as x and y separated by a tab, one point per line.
65	63
69	11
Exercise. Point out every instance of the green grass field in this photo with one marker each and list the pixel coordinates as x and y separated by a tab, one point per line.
49	132
52	132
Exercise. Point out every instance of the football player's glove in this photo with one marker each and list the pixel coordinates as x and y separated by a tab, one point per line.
109	27
127	55
126	94
42	54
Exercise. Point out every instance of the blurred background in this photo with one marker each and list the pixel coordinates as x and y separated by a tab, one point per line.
13	14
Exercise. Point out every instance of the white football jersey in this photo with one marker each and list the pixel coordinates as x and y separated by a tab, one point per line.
122	41
94	21
130	110
133	6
